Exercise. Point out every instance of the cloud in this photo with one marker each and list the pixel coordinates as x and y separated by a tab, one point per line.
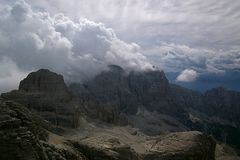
33	39
173	57
20	11
212	23
188	75
203	35
10	75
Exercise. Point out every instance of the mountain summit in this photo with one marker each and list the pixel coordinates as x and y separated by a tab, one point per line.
43	81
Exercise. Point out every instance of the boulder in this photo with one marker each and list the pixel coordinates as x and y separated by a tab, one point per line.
181	146
104	148
118	143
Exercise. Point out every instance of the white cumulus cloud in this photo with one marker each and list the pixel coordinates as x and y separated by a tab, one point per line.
79	49
175	58
10	75
188	75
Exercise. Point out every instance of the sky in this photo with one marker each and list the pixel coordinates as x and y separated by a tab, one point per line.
195	42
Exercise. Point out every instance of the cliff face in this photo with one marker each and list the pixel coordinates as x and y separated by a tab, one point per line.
24	136
45	93
127	92
151	90
44	81
222	103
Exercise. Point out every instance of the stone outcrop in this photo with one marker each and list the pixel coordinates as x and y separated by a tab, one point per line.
123	93
45	93
44	81
225	152
104	148
222	103
181	146
105	96
24	136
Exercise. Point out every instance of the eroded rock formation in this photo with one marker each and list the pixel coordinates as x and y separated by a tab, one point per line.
24	136
46	94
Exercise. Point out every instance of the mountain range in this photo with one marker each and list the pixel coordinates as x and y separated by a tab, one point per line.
118	115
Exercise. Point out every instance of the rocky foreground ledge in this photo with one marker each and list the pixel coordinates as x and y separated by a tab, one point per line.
26	136
126	144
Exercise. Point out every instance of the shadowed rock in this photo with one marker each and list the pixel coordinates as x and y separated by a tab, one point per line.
45	93
175	146
44	81
24	136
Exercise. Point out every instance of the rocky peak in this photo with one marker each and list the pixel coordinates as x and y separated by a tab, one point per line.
123	91
45	93
116	68
114	76
43	81
150	82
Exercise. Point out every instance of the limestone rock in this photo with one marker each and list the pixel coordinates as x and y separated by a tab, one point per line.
118	143
46	94
171	107
225	152
222	103
104	148
23	136
181	146
44	81
122	92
